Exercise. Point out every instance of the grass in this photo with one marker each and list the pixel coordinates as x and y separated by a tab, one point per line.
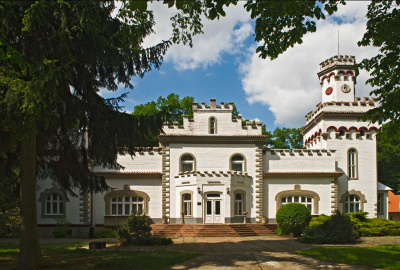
382	256
73	256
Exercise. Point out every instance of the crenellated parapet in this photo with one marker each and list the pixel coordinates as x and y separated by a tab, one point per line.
213	119
337	60
212	106
358	106
299	160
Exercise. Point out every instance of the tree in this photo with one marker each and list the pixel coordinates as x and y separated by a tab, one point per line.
389	158
284	138
175	107
55	56
383	31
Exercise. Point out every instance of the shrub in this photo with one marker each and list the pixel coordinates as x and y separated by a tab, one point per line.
136	231
378	227
337	229
293	218
104	233
61	228
10	223
360	216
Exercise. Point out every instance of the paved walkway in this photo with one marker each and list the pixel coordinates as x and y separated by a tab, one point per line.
258	252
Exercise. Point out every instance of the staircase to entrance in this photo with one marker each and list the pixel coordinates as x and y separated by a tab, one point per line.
212	230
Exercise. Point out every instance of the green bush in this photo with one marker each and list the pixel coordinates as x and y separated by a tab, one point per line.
136	231
377	227
61	228
104	233
359	216
10	223
293	218
337	229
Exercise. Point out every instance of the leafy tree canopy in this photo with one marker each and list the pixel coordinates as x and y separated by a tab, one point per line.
284	138
389	158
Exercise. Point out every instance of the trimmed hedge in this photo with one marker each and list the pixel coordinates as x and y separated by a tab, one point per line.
292	218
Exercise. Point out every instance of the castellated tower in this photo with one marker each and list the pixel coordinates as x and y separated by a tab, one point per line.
336	125
338	78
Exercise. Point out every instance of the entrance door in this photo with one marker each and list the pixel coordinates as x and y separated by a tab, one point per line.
213	208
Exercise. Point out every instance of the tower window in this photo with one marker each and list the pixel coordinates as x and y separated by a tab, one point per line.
187	163
352	163
237	163
213	126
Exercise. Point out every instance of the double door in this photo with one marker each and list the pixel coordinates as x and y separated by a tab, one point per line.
213	208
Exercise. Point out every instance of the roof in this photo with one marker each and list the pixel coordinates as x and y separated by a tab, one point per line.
394	202
383	187
334	173
127	173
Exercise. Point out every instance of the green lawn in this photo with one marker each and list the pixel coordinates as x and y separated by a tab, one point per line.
387	257
73	256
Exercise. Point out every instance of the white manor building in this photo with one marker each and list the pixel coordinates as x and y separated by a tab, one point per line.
214	170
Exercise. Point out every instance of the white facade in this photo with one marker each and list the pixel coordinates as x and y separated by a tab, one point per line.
212	169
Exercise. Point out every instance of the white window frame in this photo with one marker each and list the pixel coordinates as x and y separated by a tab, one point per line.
187	204
125	205
308	201
236	162
54	205
352	163
352	204
212	125
185	163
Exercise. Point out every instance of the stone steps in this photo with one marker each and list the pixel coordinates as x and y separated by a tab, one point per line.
211	230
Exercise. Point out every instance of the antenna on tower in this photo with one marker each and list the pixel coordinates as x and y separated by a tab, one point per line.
338	42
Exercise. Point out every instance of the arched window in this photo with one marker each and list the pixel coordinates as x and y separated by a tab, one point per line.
239	203
187	163
342	132
307	197
187	204
213	125
124	202
238	163
352	163
307	201
126	205
54	202
352	204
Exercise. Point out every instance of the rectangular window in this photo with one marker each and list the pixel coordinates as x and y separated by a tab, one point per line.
380	204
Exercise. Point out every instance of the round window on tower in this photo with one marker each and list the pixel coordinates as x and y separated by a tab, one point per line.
328	91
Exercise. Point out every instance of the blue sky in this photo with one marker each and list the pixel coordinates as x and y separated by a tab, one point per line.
222	64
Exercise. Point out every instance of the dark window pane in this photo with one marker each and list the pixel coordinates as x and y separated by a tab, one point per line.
209	207
217	207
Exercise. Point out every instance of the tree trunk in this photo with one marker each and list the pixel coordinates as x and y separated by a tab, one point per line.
30	253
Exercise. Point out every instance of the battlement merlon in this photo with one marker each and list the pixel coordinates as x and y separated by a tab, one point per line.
342	61
358	106
213	106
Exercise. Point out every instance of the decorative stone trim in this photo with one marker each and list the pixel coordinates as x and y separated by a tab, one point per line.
47	192
84	208
128	193
166	182
334	195
298	192
259	187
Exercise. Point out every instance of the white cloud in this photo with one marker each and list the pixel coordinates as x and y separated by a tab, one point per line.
289	85
220	36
